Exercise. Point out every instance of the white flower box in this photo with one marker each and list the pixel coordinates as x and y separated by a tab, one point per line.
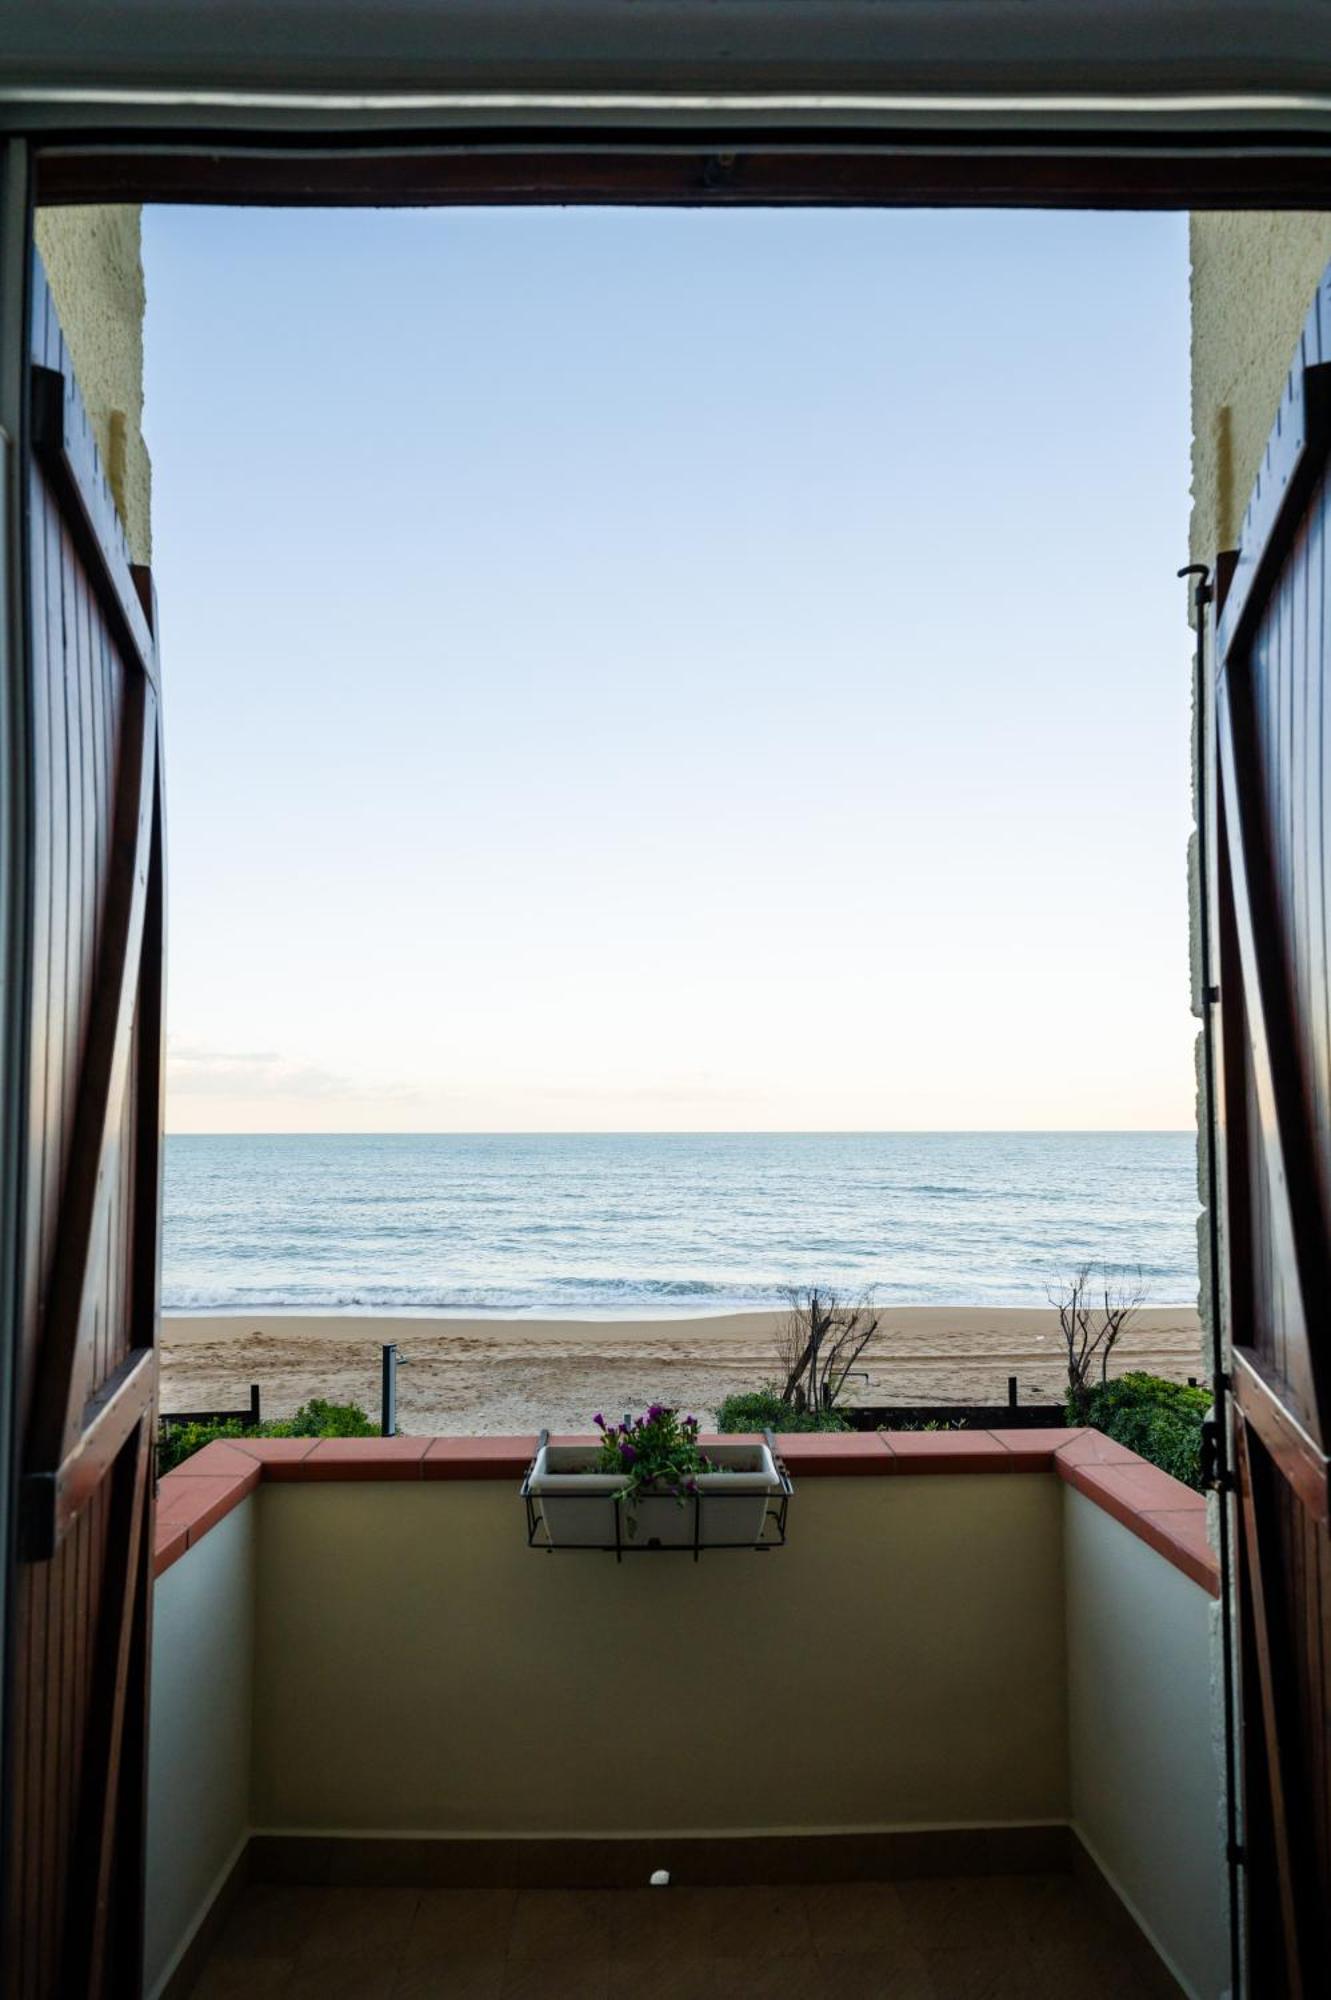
576	1507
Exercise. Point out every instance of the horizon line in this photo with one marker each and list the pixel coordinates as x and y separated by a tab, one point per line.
708	1132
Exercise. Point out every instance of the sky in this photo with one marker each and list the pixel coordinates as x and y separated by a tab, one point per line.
667	670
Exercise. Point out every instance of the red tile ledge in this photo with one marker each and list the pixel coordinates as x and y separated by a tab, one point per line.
479	1457
1161	1512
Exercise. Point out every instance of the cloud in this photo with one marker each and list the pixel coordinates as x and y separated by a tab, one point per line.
193	1070
700	1089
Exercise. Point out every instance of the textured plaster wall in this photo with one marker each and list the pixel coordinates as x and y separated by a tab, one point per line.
1253	278
95	271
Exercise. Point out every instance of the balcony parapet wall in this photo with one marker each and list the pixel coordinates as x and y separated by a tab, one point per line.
1168	1516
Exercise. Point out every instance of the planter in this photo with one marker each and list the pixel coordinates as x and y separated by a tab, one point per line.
572	1506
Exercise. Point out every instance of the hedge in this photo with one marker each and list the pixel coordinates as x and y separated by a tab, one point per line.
763	1410
317	1418
1162	1421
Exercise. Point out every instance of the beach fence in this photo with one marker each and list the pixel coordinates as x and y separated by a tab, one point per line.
1010	1415
168	1420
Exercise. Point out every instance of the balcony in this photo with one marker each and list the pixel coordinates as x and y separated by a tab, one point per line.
958	1736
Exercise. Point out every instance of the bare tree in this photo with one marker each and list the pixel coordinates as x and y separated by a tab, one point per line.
818	1343
1091	1319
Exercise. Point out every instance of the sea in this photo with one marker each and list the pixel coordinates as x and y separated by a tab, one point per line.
641	1225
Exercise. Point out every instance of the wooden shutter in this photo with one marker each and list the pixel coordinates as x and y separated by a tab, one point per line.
1270	898
90	1150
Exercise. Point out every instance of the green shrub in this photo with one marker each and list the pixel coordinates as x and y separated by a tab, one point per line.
763	1410
1160	1420
317	1418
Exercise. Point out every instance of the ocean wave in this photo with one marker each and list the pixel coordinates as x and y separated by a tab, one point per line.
684	1224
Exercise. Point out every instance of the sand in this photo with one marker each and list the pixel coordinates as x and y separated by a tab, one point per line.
490	1376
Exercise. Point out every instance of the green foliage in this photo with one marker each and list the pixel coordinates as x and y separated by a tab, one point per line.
320	1419
1160	1420
317	1418
763	1410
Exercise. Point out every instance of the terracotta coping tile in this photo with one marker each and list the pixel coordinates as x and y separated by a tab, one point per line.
1162	1512
223	1455
169	1543
1142	1486
478	1457
1181	1534
1168	1516
1094	1448
833	1454
197	1504
365	1458
1033	1450
277	1458
946	1451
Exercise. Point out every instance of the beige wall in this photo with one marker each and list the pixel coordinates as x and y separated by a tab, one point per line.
93	264
900	1663
1253	279
1146	1769
200	1734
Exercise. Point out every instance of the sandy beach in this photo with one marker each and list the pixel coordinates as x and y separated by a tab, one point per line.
490	1376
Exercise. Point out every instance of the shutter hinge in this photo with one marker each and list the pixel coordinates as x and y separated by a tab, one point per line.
1215	1476
1236	1854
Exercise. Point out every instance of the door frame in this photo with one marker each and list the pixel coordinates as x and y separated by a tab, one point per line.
15	237
722	152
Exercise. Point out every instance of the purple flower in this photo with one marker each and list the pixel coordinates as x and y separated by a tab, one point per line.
627	1454
656	1410
599	1421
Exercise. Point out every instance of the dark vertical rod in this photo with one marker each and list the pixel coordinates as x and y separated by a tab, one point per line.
1012	1392
388	1392
255	1417
1204	782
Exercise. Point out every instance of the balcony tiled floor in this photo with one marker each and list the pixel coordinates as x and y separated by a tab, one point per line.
1029	1937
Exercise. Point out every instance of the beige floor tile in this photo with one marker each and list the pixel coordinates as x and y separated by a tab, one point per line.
369	1973
562	1979
450	1979
801	1977
902	1975
754	1924
975	1912
991	1938
268	1922
243	1979
461	1923
561	1925
855	1917
956	1973
353	1922
648	1925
